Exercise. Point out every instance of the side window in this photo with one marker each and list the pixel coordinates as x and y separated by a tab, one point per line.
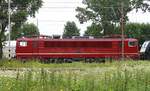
132	43
23	43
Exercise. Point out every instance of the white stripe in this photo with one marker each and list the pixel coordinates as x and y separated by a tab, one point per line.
71	53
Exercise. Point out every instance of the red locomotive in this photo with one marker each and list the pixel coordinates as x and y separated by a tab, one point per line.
49	48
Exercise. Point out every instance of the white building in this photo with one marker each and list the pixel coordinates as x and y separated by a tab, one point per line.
12	53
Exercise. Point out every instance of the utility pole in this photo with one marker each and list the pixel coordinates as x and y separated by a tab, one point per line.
9	27
122	30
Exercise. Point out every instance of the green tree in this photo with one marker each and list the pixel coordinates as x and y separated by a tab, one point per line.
108	13
133	30
71	29
138	31
25	30
20	10
94	30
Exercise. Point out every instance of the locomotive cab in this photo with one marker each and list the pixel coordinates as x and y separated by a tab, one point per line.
24	48
145	50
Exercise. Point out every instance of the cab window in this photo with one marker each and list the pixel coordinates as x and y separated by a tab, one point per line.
132	43
23	43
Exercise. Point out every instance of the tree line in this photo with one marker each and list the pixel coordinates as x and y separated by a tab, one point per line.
131	30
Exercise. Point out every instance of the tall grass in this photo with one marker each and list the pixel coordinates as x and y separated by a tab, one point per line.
45	81
116	76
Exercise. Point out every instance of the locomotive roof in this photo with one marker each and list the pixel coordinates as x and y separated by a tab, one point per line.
97	39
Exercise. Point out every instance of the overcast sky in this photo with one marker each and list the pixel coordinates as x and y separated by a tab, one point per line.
55	13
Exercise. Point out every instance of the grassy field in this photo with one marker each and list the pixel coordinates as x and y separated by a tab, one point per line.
114	76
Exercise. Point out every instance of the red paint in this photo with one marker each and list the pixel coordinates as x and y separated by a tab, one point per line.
75	48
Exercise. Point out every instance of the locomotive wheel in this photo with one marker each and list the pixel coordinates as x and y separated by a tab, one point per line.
67	60
60	60
97	60
89	60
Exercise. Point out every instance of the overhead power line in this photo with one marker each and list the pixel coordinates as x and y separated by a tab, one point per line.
105	7
65	2
52	20
60	7
49	7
